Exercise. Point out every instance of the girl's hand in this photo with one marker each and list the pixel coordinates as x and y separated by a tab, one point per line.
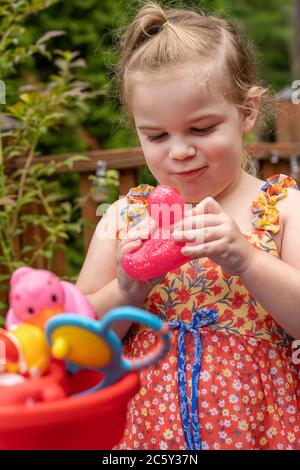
210	232
134	291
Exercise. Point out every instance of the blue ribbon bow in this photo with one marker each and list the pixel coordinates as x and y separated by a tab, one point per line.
202	318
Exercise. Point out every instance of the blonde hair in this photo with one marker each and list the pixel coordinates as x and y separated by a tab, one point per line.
159	37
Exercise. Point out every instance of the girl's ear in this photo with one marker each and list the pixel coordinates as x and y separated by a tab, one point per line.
250	109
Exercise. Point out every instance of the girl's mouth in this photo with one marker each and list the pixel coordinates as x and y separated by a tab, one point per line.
190	174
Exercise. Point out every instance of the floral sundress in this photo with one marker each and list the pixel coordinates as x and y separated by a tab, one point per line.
229	381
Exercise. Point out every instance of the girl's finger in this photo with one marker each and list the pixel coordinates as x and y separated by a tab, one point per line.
200	250
124	242
127	248
204	235
208	206
197	222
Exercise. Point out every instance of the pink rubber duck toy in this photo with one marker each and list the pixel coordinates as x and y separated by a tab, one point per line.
160	253
36	295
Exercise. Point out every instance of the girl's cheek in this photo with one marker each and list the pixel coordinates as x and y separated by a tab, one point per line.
153	155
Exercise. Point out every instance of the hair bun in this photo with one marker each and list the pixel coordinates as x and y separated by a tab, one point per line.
147	23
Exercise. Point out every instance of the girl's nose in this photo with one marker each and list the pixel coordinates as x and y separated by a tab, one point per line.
181	151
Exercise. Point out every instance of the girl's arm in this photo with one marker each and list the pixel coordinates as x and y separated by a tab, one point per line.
275	283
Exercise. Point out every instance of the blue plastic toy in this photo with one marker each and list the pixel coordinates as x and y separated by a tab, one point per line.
85	343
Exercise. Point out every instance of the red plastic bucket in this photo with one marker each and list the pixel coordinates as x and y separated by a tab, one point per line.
92	421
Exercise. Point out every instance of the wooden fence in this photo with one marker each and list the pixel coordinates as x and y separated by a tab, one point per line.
270	158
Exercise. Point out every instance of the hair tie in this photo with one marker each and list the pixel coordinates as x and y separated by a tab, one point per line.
165	24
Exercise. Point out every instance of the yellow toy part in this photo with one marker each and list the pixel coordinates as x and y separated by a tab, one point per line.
35	350
12	367
93	351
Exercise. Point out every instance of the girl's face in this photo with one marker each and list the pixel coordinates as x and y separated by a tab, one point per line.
192	139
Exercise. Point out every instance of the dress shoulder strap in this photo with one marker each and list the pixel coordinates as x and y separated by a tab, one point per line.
137	201
266	214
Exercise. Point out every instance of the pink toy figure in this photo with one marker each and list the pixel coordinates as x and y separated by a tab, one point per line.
160	253
37	295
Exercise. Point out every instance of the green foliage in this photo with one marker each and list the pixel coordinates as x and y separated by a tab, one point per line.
32	196
13	14
90	27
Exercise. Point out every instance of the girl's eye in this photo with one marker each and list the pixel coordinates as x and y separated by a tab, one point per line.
205	130
153	138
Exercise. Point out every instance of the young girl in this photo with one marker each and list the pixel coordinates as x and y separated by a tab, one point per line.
228	382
